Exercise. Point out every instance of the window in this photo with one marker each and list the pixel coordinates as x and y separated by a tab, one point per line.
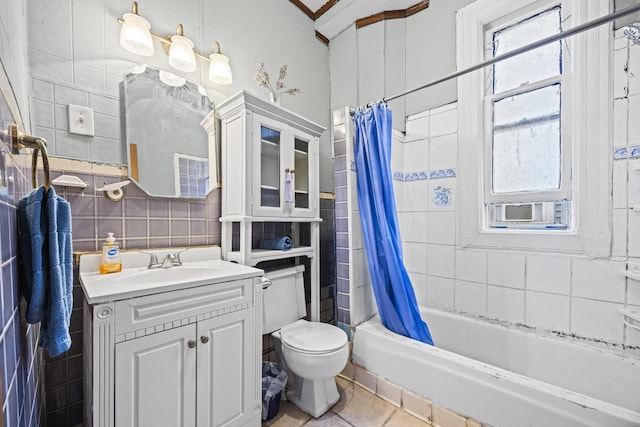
192	175
526	149
531	126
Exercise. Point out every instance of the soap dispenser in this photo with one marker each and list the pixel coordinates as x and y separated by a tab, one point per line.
110	261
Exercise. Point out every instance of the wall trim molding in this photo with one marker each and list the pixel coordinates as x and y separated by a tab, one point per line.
392	14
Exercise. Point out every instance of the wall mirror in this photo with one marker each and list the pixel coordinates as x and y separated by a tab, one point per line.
169	153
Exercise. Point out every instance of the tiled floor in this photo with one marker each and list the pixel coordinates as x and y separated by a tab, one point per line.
356	407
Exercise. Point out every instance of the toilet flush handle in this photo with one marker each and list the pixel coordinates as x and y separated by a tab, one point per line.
265	283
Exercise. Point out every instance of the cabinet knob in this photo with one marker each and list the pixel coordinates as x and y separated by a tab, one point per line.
204	339
191	343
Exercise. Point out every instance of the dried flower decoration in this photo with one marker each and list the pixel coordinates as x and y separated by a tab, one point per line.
264	80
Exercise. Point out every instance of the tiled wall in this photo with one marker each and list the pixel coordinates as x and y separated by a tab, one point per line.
551	291
21	375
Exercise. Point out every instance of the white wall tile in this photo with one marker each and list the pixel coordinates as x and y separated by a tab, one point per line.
634	231
506	269
50	28
619	73
596	319
416	155
619	235
599	279
51	67
634	125
415	255
42	90
398	194
634	183
620	124
61	117
441	228
89	78
505	304
397	156
417	127
65	95
105	105
634	68
440	260
43	114
355	232
547	311
471	266
440	292
416	197
419	282
360	268
633	292
415	227
620	184
443	152
107	126
548	274
88	32
443	123
470	297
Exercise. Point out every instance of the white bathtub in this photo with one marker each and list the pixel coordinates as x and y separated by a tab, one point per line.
507	376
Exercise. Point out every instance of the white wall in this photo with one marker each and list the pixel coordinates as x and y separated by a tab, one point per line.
75	57
391	56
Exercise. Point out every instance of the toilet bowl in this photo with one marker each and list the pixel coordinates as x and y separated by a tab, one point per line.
312	353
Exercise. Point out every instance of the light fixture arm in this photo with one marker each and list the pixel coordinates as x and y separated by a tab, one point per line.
167	40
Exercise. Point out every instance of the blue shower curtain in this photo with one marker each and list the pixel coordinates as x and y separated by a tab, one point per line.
392	287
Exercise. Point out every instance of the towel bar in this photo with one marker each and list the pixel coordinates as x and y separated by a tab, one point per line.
18	140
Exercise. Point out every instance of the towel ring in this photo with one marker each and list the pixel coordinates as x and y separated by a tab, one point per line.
18	140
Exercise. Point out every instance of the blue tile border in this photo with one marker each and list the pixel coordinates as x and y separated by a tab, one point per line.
626	153
424	175
419	176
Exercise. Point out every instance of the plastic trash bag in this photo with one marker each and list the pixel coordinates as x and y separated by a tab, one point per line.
274	379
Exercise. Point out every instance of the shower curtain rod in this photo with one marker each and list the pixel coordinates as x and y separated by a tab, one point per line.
561	35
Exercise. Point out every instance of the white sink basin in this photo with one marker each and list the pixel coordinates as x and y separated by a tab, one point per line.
136	279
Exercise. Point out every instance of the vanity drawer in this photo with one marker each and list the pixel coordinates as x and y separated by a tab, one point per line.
181	307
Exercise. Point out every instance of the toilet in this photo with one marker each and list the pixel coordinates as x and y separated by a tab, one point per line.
312	353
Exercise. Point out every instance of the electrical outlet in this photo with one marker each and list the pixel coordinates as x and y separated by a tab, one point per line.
81	120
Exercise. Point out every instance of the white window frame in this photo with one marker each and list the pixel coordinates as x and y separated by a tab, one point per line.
585	128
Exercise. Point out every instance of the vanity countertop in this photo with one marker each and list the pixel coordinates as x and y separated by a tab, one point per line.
200	266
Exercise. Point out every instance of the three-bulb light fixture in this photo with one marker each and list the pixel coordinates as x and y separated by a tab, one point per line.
136	37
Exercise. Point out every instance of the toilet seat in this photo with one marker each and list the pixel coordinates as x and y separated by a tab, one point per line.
313	337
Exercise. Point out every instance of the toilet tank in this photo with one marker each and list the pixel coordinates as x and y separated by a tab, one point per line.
283	302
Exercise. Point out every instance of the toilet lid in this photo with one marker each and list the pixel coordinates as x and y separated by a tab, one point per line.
313	337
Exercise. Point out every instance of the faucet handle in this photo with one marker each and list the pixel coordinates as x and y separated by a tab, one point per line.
176	256
153	259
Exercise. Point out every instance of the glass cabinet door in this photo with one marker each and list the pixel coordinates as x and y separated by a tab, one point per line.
301	182
270	147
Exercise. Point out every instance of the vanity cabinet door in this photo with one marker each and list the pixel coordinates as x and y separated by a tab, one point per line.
227	374
280	154
155	382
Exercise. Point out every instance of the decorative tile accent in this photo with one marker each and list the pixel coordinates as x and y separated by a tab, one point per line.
441	196
424	175
626	153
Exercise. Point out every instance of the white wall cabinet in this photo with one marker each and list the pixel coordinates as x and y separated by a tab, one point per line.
263	147
189	357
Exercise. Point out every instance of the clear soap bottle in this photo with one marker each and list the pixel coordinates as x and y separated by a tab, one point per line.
110	261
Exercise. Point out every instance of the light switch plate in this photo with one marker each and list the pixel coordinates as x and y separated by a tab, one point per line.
81	120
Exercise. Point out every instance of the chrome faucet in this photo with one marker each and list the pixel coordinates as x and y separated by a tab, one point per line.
170	260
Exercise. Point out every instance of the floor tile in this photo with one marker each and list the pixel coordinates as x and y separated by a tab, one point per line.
329	419
401	418
288	416
364	409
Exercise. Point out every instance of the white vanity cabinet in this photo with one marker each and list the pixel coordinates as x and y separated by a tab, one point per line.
185	357
269	166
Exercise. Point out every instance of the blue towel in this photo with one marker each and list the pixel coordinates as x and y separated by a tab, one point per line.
46	266
282	243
